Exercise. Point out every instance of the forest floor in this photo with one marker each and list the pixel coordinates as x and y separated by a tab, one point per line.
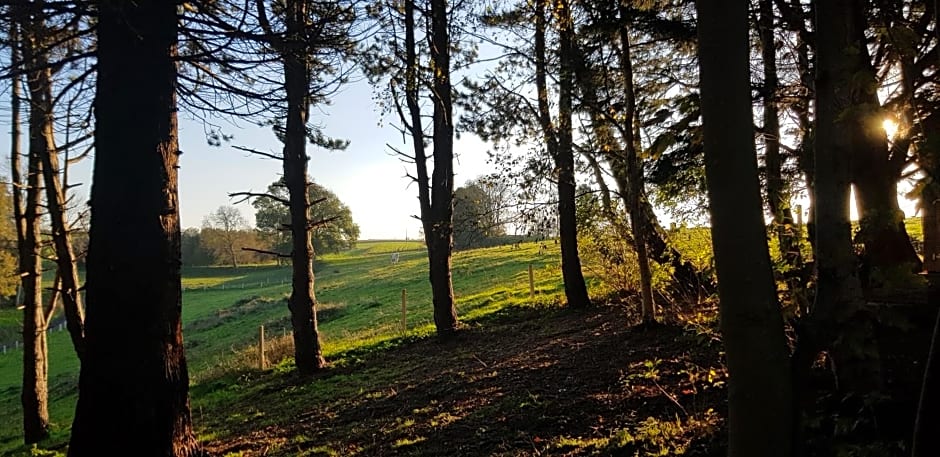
524	381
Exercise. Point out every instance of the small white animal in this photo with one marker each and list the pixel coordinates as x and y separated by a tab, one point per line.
394	257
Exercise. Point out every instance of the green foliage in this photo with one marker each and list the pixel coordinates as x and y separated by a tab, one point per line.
476	215
8	249
335	231
657	437
194	251
611	258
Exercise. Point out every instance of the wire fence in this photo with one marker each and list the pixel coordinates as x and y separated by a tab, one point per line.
238	286
17	344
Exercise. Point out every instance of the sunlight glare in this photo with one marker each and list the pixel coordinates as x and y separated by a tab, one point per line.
890	126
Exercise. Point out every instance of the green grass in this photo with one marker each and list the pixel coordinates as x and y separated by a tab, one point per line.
359	292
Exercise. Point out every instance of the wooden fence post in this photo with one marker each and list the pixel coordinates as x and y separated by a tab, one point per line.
531	283
263	362
404	311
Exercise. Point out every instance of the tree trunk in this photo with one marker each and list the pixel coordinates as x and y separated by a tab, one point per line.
134	382
41	112
687	282
440	237
777	197
234	255
838	296
926	441
875	172
35	394
16	185
635	174
308	354
560	146
759	390
35	364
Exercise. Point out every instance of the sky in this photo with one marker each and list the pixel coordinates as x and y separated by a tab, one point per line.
366	176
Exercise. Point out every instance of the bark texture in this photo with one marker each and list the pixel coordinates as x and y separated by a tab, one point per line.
35	393
839	296
439	228
308	354
133	386
634	169
41	113
759	390
559	143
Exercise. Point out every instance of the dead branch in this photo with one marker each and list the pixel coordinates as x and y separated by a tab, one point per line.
311	225
248	195
260	153
266	252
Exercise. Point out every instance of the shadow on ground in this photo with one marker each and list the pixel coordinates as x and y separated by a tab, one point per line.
525	382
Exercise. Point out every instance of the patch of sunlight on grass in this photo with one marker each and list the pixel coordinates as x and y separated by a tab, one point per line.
209	281
579	442
401	425
402	442
443	419
320	451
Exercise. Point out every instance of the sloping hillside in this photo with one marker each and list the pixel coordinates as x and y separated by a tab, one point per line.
524	381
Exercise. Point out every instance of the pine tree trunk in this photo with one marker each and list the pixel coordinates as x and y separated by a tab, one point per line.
308	354
435	192
35	396
926	441
838	297
633	164
441	236
777	198
575	287
759	390
40	87
134	382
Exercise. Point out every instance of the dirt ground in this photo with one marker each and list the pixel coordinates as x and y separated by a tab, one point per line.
527	382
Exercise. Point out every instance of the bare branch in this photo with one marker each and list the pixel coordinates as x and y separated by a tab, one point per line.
260	153
262	251
311	225
248	195
317	201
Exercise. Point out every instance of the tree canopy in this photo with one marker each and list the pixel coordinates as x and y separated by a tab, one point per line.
334	229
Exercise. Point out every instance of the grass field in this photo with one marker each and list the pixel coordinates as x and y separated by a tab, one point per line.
359	293
360	305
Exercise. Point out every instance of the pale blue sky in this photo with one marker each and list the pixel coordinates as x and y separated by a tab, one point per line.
366	176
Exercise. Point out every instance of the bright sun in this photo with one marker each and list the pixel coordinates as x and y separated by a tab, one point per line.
890	126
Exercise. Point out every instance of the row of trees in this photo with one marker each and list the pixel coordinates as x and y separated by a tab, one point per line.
126	58
227	239
654	101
